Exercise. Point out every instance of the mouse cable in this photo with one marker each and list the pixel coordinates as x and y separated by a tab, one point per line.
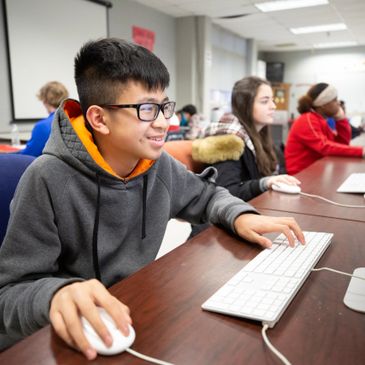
147	358
332	202
271	346
338	272
265	326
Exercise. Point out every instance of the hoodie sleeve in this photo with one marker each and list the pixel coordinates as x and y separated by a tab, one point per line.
197	199
29	261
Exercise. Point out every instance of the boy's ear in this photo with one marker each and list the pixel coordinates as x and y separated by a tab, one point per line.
96	118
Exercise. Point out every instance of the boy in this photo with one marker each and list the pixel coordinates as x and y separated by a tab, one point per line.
101	196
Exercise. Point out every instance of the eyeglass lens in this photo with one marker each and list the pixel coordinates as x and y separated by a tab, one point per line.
150	112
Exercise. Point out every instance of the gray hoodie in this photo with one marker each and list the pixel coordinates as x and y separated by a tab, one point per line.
72	220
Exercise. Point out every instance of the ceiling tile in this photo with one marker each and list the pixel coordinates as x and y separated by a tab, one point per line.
272	28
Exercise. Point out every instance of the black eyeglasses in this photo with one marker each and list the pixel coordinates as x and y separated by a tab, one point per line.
147	112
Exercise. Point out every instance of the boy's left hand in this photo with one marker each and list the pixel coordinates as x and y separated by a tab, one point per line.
252	226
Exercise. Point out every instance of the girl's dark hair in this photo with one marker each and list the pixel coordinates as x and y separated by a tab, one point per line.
243	97
305	103
105	66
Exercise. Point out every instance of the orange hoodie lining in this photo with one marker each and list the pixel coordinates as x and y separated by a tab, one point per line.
78	124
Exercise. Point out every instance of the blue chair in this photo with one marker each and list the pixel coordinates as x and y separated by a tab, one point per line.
12	167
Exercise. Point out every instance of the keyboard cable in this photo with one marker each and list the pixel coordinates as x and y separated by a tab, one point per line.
338	272
272	348
331	201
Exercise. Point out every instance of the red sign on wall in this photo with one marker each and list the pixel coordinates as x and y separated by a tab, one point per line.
143	37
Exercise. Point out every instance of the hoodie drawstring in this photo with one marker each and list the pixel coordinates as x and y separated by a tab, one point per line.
144	204
96	222
95	233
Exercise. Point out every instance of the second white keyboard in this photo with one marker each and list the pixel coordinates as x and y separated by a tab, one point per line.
263	289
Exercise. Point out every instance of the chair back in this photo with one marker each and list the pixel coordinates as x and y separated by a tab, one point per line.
182	151
12	167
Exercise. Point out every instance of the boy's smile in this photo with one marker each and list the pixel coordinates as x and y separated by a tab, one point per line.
157	141
126	139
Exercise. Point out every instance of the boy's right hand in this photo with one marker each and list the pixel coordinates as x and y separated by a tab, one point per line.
81	299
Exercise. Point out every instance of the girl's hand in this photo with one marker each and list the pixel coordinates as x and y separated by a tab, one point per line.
284	179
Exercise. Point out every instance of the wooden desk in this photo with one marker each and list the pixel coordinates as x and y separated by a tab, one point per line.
5	143
7	148
165	299
24	136
321	178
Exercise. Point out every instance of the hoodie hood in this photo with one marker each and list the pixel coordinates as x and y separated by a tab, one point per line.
73	143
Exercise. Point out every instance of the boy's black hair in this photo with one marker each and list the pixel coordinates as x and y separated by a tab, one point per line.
103	67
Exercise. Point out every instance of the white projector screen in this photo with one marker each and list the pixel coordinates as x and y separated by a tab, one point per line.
44	37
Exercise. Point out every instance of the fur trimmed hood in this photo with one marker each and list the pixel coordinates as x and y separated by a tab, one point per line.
218	148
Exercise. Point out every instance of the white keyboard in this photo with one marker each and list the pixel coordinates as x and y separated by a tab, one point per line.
263	289
355	183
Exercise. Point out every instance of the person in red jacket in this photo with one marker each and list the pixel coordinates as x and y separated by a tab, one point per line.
310	138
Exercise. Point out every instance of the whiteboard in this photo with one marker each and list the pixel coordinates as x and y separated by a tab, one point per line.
44	37
350	86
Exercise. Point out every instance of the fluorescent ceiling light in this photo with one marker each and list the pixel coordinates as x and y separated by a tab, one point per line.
335	44
288	4
319	28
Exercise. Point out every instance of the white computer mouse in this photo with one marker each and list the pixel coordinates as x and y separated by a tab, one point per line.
120	342
286	188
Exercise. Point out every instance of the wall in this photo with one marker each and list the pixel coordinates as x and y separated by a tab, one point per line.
344	68
122	16
229	64
210	60
193	61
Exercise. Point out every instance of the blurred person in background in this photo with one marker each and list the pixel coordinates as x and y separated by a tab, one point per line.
240	145
51	95
311	137
191	120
